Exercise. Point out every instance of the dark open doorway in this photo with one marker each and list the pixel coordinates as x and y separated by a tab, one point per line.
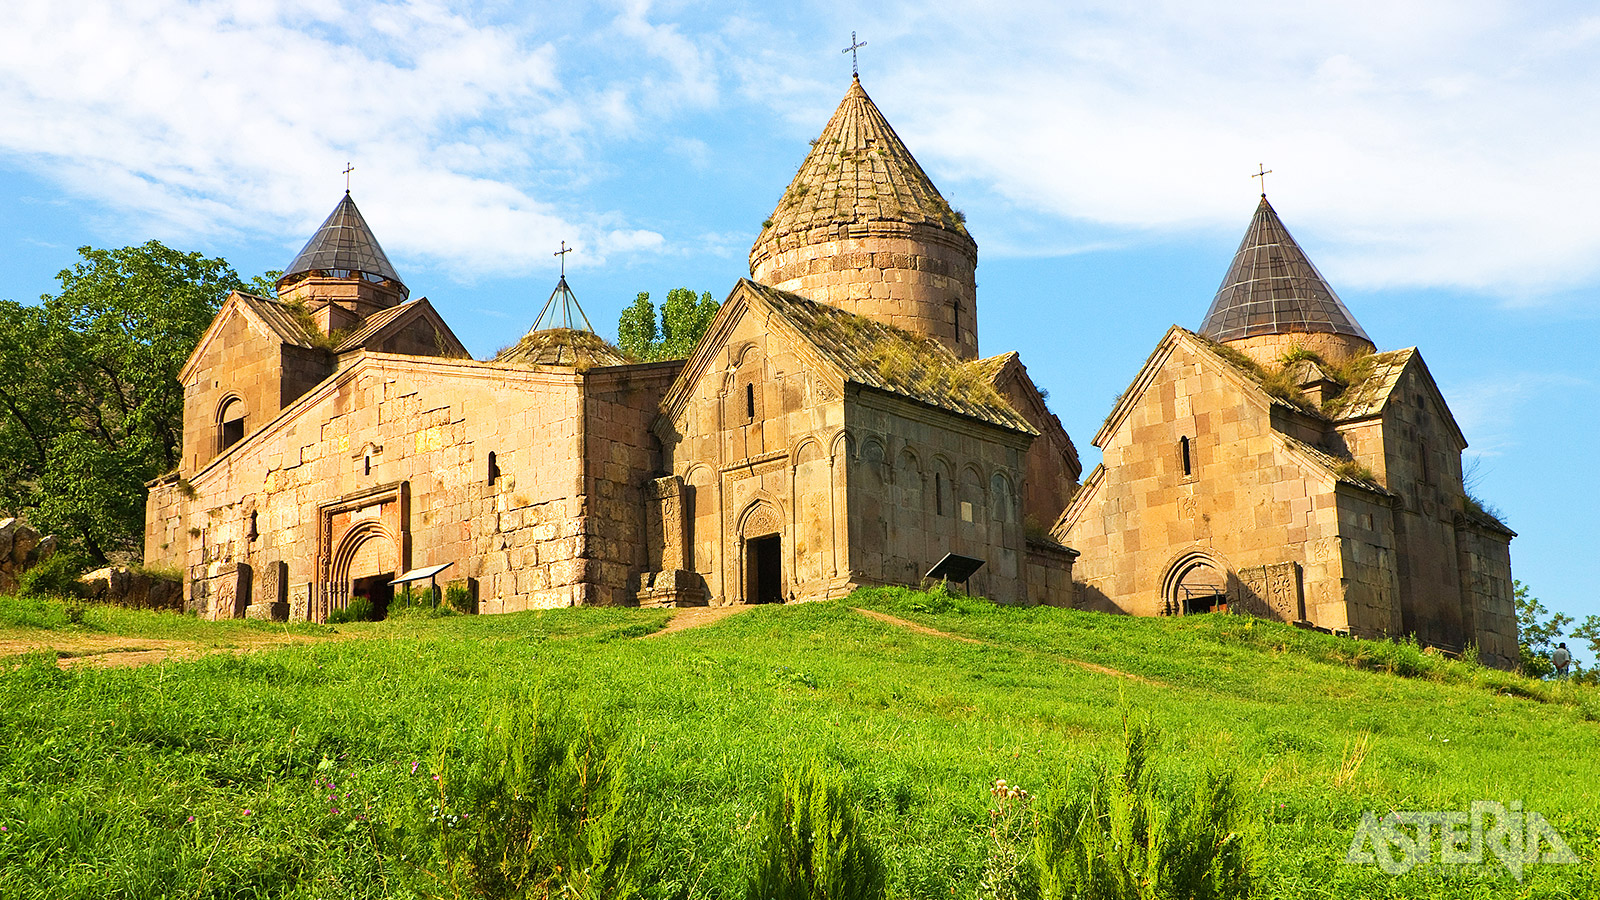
764	569
377	591
1204	600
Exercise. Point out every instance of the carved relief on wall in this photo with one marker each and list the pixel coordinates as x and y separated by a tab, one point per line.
759	520
1273	591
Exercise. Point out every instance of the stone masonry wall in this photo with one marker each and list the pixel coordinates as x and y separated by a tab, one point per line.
761	449
1422	464
427	424
914	277
242	360
923	483
1248	500
1052	461
1485	564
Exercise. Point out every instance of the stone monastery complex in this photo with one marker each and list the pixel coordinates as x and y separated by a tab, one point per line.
835	427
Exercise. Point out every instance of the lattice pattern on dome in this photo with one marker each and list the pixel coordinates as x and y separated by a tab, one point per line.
1272	288
344	244
859	171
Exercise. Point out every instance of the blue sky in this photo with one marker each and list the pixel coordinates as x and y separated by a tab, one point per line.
1439	161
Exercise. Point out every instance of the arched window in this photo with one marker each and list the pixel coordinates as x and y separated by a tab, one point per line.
230	423
1000	498
750	400
494	469
1183	451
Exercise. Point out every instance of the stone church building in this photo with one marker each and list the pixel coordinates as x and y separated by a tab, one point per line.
1274	463
835	427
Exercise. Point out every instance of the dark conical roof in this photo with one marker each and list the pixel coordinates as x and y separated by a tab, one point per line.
859	171
1272	288
344	243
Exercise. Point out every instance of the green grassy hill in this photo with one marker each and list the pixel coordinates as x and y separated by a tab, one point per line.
211	777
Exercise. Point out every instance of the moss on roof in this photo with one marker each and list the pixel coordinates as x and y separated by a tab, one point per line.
896	361
570	347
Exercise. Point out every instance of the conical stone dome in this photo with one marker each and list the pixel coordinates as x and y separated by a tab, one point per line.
862	227
1273	298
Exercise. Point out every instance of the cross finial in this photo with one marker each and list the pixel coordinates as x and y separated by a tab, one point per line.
1263	176
348	168
563	254
855	71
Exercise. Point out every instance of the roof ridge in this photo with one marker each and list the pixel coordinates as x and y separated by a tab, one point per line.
1272	287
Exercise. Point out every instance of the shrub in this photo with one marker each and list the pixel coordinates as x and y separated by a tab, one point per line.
359	609
811	846
55	577
544	809
1129	834
460	596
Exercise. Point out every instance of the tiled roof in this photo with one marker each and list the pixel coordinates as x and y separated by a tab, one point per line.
1272	288
373	324
570	347
343	243
895	361
289	323
1376	376
858	172
1339	468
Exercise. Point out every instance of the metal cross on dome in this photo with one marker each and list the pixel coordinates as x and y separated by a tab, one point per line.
348	168
1263	176
855	71
563	254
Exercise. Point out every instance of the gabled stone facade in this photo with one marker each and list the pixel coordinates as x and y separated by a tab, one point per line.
1292	473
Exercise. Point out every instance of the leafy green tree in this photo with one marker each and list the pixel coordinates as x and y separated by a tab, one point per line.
636	328
1537	631
1589	630
684	318
90	406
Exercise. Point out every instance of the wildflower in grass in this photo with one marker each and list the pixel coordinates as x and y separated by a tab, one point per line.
414	766
247	812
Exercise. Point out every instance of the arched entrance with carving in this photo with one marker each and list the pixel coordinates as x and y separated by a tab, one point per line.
1195	582
761	553
366	560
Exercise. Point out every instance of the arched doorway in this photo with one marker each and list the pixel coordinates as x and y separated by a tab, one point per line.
761	537
1197	582
366	561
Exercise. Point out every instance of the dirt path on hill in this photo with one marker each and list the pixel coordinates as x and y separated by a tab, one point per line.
934	632
695	616
120	650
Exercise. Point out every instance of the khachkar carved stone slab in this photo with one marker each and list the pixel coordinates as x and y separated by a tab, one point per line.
271	596
666	523
224	595
1272	592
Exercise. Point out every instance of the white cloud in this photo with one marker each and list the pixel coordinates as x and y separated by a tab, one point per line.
207	116
1426	143
1440	144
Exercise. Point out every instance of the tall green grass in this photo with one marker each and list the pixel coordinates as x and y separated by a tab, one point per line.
308	771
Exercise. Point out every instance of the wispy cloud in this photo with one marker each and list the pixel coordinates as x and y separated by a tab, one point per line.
209	116
1447	144
1432	143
